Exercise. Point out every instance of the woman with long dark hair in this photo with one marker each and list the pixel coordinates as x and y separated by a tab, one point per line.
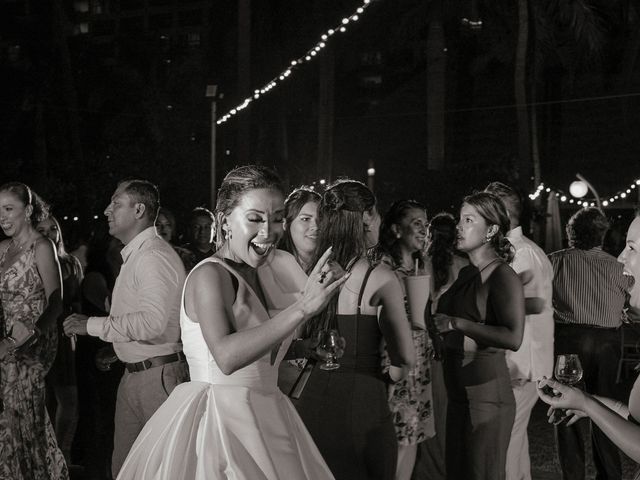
346	410
480	315
301	226
61	380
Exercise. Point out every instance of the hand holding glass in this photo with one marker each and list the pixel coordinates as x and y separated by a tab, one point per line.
331	347
568	370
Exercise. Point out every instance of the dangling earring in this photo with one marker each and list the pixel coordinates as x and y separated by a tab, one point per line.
227	234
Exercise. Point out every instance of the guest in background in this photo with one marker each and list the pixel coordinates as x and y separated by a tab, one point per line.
442	262
202	227
167	229
402	237
534	358
346	410
143	323
99	371
481	315
619	422
31	302
62	384
299	239
589	291
301	226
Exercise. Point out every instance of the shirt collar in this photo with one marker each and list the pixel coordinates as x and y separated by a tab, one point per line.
515	233
137	241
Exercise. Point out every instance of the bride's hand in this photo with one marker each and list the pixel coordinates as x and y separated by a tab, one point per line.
323	282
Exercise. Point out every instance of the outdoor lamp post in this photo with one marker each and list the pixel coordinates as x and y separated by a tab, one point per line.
211	93
371	173
580	187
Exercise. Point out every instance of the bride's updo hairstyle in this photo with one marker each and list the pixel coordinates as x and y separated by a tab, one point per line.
492	209
28	197
239	181
340	220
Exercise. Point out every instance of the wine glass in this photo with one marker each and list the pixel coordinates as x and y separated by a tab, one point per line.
568	369
331	346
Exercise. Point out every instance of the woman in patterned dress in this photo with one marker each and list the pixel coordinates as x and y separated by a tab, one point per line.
402	237
31	303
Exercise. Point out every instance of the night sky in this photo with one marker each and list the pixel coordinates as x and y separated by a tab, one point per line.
96	91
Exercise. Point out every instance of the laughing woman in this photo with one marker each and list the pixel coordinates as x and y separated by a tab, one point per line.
31	303
239	310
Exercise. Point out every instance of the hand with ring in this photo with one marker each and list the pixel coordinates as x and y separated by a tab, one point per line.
322	284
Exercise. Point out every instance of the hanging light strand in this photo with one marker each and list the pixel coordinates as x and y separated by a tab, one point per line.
307	57
606	202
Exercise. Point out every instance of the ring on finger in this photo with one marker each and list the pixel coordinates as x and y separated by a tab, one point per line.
323	276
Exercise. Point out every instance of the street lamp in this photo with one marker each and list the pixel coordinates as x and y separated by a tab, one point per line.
371	173
580	187
212	91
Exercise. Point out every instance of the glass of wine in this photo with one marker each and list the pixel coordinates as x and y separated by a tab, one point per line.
568	369
331	347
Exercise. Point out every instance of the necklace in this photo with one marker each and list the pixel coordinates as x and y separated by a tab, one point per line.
16	246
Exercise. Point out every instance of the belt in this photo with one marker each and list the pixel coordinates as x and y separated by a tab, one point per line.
154	362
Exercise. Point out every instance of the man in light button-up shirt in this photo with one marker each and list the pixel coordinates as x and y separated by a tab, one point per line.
144	321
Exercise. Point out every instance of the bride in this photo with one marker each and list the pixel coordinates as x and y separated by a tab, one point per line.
238	314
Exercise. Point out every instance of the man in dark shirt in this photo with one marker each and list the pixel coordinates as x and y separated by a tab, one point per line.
588	297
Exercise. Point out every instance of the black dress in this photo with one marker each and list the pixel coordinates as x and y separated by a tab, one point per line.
346	410
481	406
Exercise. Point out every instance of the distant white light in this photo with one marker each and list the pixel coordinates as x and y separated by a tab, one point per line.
578	189
371	171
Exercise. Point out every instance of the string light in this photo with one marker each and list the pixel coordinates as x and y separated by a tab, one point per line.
622	194
309	55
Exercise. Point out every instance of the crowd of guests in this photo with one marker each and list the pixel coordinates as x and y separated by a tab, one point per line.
151	358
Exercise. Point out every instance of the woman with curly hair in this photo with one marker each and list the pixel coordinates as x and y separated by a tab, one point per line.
402	236
30	298
481	315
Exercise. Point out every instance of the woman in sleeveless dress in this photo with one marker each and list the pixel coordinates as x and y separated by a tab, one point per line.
402	237
238	314
481	315
31	303
61	381
346	410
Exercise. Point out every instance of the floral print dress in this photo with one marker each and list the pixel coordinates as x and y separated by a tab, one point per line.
28	448
410	399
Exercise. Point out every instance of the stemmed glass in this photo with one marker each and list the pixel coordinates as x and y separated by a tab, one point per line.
568	369
331	346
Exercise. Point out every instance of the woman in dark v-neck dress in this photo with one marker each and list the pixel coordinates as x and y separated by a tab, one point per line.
480	315
30	304
346	410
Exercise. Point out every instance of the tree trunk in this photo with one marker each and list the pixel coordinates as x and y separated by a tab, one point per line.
325	114
243	145
436	89
520	91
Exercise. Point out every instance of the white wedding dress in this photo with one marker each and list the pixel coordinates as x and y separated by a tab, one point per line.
238	426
